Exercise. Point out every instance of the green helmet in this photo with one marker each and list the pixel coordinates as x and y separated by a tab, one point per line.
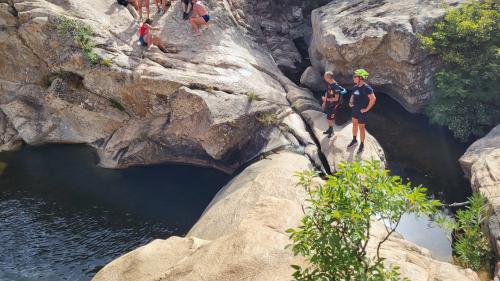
361	73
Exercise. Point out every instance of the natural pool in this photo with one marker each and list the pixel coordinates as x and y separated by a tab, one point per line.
63	218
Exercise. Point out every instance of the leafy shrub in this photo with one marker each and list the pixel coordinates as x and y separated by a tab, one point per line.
334	232
470	245
467	96
106	62
268	119
251	96
82	34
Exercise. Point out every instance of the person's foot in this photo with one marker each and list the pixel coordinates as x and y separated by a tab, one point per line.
361	148
353	142
184	16
328	131
160	12
330	134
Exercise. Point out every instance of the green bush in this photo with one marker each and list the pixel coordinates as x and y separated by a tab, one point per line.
251	96
467	95
82	34
106	62
334	232
268	118
470	245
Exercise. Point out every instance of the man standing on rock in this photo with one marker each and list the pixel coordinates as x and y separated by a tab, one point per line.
362	100
331	101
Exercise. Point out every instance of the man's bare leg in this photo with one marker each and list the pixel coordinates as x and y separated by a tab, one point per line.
354	127
354	132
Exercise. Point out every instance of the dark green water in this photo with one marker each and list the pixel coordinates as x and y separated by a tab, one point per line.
63	218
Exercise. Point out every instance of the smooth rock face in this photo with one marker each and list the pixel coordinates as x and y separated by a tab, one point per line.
481	164
189	106
335	148
379	36
241	236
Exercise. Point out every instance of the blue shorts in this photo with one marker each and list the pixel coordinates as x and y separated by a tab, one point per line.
206	18
141	39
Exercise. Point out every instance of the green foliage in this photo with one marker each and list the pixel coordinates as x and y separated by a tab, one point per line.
467	96
251	96
334	232
116	104
471	247
106	62
268	118
82	34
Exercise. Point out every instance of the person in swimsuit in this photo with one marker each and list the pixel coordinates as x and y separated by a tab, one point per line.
362	100
200	16
331	101
148	39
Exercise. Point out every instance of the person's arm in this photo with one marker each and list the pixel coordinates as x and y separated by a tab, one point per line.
371	103
351	101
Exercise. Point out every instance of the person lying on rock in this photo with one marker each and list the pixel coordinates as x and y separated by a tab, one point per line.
148	39
187	6
331	101
199	17
362	100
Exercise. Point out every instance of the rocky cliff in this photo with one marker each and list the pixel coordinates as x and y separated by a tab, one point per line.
481	164
380	36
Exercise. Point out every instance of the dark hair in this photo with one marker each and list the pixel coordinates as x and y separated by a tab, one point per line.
148	21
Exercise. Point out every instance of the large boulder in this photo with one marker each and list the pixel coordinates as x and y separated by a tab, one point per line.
191	105
380	36
481	164
241	236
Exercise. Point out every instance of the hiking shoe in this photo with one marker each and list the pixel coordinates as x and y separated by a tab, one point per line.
361	148
185	16
353	142
328	131
330	134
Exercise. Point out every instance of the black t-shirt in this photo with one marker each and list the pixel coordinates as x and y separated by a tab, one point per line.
361	95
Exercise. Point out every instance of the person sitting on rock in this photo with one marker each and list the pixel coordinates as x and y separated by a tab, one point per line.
148	39
331	101
187	6
199	17
362	100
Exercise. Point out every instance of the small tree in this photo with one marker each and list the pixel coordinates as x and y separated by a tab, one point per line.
471	247
467	96
335	230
